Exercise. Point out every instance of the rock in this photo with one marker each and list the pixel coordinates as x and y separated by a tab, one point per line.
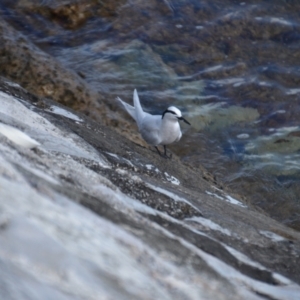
41	74
89	215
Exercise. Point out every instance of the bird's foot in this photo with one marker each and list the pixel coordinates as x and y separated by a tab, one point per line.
168	156
164	155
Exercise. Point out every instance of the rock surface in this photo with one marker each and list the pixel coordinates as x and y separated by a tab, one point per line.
88	214
41	74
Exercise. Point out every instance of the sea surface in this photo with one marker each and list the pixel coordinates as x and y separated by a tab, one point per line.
233	68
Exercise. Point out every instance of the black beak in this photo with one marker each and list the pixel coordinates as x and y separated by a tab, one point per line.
184	120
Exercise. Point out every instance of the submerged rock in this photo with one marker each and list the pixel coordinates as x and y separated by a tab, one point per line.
216	116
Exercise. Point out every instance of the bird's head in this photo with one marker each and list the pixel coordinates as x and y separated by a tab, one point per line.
173	113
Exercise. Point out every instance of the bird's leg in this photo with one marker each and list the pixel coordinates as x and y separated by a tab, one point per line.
158	151
165	153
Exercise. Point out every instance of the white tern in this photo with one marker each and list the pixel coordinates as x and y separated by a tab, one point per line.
156	129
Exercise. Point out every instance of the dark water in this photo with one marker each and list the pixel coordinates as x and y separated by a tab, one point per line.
233	67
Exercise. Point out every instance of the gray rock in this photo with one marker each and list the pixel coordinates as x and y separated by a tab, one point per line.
88	214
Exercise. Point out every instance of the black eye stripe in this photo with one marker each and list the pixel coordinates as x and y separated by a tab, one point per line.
168	111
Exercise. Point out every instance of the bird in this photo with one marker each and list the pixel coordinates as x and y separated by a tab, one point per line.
156	130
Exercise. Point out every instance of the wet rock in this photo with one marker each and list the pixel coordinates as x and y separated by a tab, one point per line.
41	74
118	214
69	14
202	37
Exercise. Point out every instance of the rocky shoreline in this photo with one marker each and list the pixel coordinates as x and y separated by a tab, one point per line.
90	214
164	213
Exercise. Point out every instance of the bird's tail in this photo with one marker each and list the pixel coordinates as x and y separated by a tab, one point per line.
139	113
130	109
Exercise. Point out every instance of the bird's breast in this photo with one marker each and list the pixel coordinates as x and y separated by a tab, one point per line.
170	133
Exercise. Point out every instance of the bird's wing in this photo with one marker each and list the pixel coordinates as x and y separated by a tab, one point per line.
150	129
130	109
139	113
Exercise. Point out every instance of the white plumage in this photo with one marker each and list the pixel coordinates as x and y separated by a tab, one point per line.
156	129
